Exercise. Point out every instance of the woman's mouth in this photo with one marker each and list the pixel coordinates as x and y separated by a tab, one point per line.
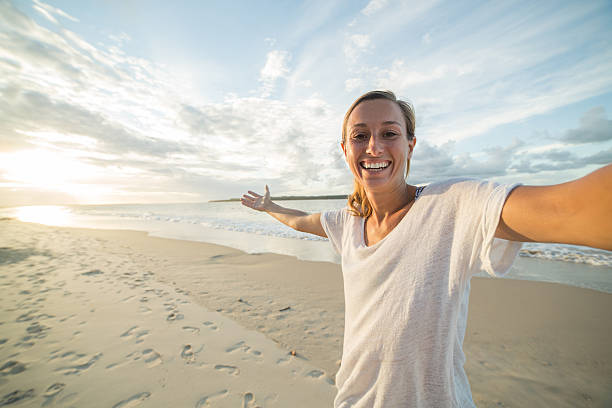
375	166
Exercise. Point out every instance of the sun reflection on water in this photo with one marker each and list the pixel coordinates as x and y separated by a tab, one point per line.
44	214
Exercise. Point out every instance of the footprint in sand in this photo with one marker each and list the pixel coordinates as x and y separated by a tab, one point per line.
63	319
189	355
138	335
128	333
52	392
132	401
93	272
231	370
144	310
248	401
210	325
79	368
152	357
12	368
315	373
209	399
242	346
141	335
16	396
55	354
174	315
318	374
191	329
239	345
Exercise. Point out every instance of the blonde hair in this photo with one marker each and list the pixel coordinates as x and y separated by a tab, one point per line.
358	202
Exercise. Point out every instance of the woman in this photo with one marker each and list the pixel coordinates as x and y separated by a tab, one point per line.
408	255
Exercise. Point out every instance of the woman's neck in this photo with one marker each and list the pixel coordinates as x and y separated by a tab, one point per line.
390	202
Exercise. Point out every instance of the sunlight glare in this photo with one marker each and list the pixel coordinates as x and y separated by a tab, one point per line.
42	168
44	214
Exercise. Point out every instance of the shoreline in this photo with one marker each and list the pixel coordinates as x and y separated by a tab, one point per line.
527	343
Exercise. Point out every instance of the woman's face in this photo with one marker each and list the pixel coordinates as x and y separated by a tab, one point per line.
376	146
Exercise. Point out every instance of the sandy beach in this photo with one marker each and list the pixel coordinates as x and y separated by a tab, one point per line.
97	318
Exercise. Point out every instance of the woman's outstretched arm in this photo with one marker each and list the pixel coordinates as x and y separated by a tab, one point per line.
578	212
296	219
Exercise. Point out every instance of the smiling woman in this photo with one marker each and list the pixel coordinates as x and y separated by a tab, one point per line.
409	253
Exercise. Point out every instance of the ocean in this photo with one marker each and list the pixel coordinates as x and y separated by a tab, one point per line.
231	224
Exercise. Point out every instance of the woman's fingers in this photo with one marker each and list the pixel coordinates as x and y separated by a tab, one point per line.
254	200
248	202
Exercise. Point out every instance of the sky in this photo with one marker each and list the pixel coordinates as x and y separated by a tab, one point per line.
140	101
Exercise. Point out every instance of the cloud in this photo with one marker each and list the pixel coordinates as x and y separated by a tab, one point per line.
265	137
120	38
403	77
373	6
356	45
35	111
432	163
594	127
149	132
276	67
487	71
352	84
97	107
559	160
129	120
49	11
213	119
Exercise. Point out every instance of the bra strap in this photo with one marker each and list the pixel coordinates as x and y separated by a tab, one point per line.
418	191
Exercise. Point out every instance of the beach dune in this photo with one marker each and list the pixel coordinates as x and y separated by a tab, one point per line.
118	319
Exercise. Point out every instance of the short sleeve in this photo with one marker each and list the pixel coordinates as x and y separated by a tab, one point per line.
333	224
496	255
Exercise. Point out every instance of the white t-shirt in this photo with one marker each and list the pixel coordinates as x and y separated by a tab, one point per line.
406	297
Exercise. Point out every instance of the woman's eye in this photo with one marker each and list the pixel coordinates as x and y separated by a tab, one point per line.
360	136
390	134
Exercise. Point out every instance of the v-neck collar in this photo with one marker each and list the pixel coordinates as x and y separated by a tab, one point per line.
410	210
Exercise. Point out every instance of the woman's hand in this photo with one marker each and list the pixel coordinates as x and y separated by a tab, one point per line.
256	201
296	219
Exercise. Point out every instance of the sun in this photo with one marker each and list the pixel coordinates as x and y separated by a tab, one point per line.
50	171
39	168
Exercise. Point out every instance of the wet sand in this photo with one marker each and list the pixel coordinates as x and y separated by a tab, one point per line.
119	319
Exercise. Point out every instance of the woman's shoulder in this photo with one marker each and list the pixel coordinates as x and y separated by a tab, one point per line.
337	215
459	190
452	185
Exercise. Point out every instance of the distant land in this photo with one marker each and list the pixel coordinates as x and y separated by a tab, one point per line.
287	198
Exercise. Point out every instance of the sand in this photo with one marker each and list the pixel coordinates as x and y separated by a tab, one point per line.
94	318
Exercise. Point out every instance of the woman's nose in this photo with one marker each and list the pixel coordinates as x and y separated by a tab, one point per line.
374	146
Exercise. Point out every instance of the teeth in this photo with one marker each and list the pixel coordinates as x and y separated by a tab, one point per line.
378	165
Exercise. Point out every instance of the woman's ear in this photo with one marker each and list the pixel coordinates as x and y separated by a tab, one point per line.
343	148
411	144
